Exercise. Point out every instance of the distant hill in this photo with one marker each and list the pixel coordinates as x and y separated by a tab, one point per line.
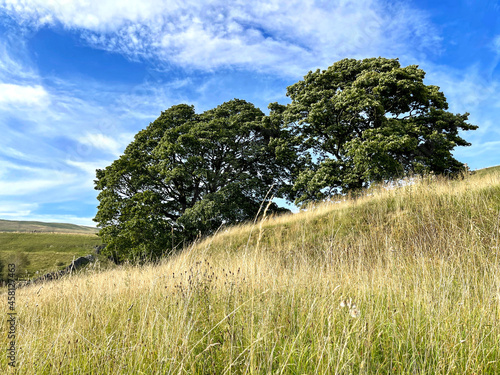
38	226
488	171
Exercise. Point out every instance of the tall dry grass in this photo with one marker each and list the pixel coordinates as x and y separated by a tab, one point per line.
402	281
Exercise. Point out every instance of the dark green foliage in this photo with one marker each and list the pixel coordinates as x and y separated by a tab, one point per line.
187	174
369	120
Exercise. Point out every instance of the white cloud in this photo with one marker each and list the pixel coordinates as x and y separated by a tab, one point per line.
28	186
88	167
102	142
11	94
16	209
281	36
94	15
17	179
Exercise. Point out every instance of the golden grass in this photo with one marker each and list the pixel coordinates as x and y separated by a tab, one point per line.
421	264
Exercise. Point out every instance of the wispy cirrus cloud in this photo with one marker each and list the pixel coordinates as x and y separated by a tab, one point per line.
285	37
17	179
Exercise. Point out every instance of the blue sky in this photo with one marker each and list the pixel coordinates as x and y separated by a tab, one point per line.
79	78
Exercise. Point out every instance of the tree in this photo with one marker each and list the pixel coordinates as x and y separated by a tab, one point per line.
361	121
187	174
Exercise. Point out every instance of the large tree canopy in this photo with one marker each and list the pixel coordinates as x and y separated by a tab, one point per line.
368	120
358	122
186	174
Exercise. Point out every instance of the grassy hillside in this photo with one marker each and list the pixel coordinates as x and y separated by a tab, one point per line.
38	226
402	281
487	171
44	252
42	247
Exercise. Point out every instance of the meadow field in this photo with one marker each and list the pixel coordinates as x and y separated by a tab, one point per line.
38	247
39	253
400	281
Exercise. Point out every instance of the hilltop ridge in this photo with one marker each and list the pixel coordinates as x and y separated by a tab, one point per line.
43	227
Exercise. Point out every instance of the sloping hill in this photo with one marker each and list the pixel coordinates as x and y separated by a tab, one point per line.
488	171
399	281
38	226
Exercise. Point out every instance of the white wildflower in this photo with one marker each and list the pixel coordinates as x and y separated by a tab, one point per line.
346	303
354	312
